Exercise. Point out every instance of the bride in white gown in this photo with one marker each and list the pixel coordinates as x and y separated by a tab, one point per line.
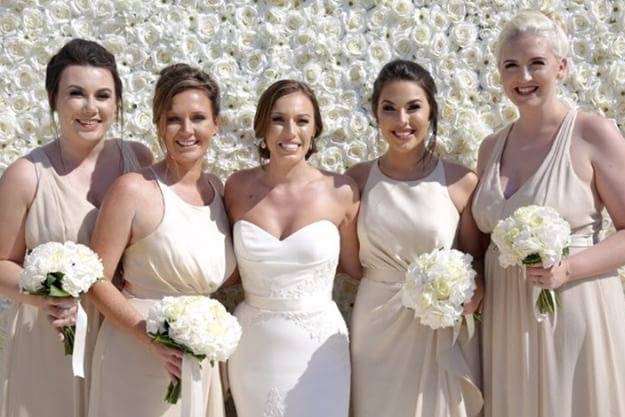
290	223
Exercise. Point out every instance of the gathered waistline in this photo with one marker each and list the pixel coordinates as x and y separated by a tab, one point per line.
385	276
288	304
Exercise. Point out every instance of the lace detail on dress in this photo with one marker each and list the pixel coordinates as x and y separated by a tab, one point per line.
319	280
274	405
319	325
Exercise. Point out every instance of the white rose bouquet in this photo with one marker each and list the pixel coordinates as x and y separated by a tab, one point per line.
67	269
197	325
534	235
437	286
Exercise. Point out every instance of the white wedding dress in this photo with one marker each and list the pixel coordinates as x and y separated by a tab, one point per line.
293	357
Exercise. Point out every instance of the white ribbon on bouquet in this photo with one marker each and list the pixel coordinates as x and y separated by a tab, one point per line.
194	393
80	338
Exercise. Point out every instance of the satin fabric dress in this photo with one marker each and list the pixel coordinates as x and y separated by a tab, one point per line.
571	364
189	253
400	367
293	357
33	358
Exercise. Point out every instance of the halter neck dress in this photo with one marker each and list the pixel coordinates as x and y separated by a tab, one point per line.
401	368
33	359
189	253
573	366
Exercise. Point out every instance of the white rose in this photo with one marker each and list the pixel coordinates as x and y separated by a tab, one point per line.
25	78
245	16
464	34
508	112
312	73
379	52
354	20
579	23
224	69
421	34
81	6
356	152
377	18
7	126
140	120
402	7
294	21
58	10
456	10
438	45
15	49
357	73
354	45
330	159
206	25
405	46
9	22
254	62
438	19
472	56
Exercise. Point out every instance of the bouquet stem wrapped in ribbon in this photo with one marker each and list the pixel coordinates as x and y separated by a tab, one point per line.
202	329
437	286
67	269
531	236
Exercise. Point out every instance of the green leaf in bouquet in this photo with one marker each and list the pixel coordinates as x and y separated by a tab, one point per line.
69	333
173	392
55	291
547	301
532	260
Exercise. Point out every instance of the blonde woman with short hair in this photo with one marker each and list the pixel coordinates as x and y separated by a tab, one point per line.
571	364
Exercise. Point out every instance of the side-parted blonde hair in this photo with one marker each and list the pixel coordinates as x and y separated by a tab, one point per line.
534	22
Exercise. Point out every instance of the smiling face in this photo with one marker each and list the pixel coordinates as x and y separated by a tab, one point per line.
403	114
291	127
530	70
86	102
188	126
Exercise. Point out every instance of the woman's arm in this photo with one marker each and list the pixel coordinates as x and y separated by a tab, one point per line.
606	149
18	186
350	199
462	183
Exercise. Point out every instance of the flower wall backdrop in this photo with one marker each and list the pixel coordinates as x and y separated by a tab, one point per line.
337	46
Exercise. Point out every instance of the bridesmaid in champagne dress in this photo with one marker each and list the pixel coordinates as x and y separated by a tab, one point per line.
55	192
168	227
570	364
290	223
412	202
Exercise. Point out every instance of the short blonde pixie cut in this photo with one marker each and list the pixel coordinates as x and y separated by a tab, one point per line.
534	22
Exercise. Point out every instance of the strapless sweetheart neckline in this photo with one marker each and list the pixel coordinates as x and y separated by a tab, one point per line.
301	229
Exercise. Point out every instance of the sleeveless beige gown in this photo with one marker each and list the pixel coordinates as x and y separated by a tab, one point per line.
189	253
401	368
35	376
574	367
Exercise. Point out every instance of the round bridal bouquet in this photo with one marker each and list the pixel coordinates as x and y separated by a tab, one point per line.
534	235
56	269
197	325
437	285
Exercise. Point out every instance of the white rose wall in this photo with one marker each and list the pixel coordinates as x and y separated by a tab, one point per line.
337	47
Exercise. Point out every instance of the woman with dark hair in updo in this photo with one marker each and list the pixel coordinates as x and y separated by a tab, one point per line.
412	202
291	221
53	194
167	227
